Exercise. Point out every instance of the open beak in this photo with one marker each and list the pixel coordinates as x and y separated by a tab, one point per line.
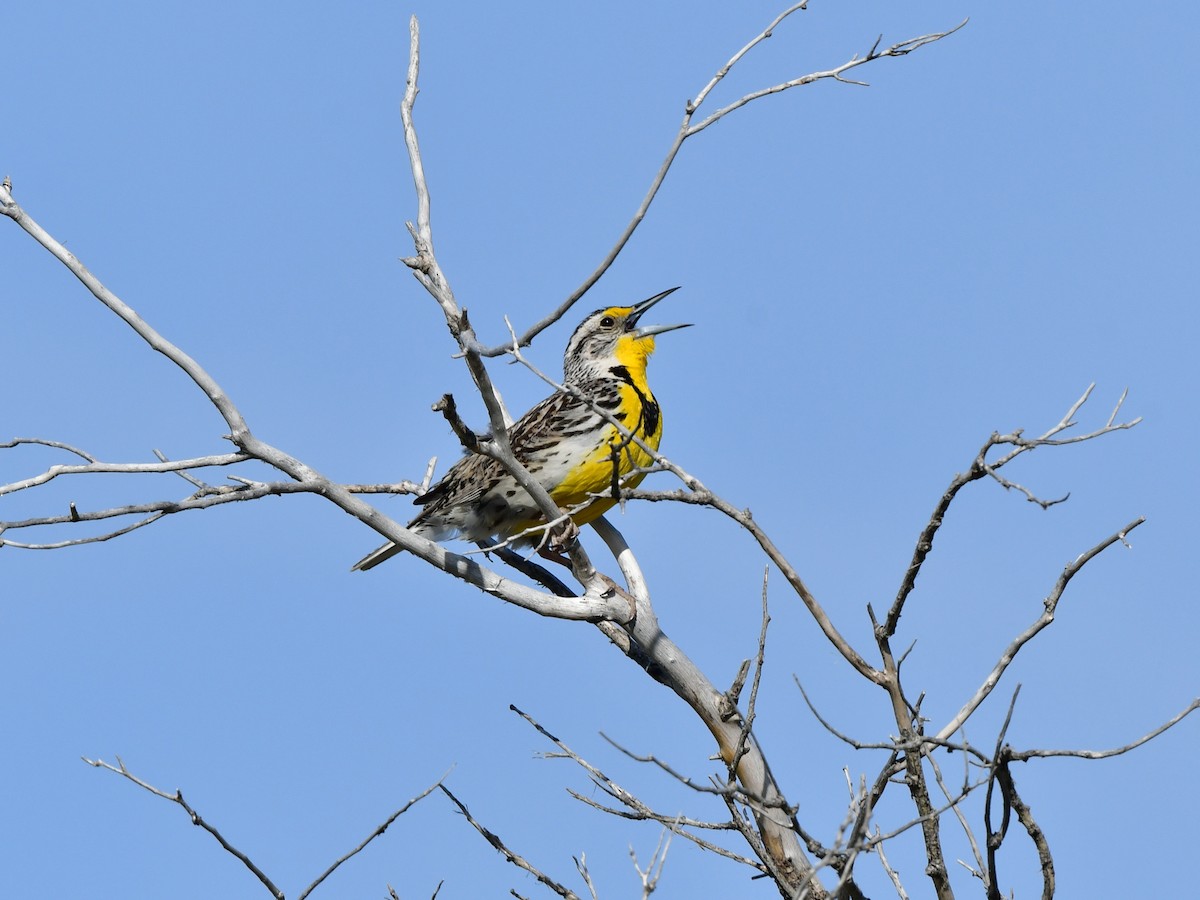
648	330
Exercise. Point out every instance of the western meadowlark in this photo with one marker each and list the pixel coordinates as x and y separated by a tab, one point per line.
565	442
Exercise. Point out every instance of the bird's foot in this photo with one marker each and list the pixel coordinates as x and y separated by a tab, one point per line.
558	542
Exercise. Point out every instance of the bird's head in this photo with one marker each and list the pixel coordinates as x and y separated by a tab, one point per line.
612	337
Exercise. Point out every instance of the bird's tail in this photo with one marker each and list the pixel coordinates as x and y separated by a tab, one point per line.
375	557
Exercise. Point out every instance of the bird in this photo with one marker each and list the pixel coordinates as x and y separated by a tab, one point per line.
567	442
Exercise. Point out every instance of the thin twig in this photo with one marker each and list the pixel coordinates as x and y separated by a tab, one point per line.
1022	755
1050	604
901	49
75	516
636	808
998	773
208	497
186	476
892	874
514	858
748	721
679	825
216	395
686	130
654	869
962	819
58	445
177	797
95	467
980	467
581	867
374	834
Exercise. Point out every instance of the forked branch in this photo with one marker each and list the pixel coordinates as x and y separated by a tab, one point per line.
981	467
198	820
688	128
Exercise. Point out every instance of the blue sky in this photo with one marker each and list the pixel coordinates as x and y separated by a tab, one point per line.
880	278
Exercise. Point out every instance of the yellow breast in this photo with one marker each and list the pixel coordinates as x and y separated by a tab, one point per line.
596	473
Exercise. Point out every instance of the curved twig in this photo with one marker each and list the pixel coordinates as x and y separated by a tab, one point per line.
687	130
1050	604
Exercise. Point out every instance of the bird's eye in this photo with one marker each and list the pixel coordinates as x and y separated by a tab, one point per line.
608	322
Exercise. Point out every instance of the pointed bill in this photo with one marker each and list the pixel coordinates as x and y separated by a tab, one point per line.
640	308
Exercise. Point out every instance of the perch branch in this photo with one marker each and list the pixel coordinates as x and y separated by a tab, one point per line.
428	272
701	495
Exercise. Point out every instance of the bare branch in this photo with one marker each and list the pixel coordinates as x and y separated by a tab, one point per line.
74	516
517	860
177	797
679	825
1047	616
720	790
1022	755
892	875
581	866
962	819
901	49
205	498
700	494
998	772
95	466
58	445
1045	860
934	813
538	573
427	478
204	381
241	436
596	604
687	130
748	720
676	822
601	780
423	233
654	869
979	468
763	35
856	744
428	272
449	410
186	476
374	834
911	726
635	808
744	518
1029	495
